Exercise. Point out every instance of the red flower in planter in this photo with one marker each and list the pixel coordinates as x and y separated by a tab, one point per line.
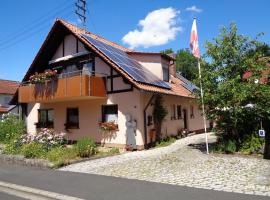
108	126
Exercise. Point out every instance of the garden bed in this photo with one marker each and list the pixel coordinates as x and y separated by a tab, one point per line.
46	149
56	161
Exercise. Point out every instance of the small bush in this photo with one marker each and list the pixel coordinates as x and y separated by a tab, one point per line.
86	147
230	146
33	150
61	156
252	144
10	127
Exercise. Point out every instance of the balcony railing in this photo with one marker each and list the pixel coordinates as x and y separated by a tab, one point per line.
67	86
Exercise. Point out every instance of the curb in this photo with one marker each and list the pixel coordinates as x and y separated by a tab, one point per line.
21	160
32	193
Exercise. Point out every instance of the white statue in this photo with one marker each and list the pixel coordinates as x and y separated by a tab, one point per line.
131	132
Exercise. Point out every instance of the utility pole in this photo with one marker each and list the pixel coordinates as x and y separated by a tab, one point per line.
81	11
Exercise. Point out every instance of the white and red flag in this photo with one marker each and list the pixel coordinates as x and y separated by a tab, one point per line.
194	41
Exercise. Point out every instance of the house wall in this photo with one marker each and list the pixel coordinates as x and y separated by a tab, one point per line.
90	115
150	62
4	102
32	117
4	99
70	47
172	126
129	103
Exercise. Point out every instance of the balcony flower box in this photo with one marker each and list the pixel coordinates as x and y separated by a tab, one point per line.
43	77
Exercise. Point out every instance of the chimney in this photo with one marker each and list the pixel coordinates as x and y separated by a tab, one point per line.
172	66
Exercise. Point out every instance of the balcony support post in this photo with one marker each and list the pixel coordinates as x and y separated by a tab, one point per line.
89	85
80	83
65	86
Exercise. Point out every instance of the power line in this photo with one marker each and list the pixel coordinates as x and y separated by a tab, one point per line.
33	22
29	35
39	22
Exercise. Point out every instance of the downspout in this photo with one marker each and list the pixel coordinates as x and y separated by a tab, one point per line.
145	126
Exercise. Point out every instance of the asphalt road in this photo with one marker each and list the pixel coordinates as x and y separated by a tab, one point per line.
4	196
95	187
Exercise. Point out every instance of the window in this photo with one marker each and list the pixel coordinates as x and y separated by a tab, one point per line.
110	113
149	120
173	117
165	71
88	68
7	100
72	118
191	111
179	112
45	118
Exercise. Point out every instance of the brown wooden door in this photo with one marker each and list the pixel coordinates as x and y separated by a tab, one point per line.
185	118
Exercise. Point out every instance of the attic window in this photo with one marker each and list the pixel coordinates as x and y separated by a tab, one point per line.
165	71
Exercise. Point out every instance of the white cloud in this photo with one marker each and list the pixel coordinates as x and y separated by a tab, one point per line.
194	9
158	28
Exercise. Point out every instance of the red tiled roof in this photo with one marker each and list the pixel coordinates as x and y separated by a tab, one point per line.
8	87
78	30
3	109
176	87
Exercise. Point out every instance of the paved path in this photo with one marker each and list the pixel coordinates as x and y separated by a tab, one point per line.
185	165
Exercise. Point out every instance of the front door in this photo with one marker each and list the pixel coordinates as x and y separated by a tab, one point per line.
185	118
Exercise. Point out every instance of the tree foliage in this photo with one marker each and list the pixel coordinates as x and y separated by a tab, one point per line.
159	114
186	63
238	105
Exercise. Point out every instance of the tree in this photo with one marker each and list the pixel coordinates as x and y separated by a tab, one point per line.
186	63
237	105
167	51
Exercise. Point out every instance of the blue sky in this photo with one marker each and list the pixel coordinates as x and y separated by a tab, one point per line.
25	24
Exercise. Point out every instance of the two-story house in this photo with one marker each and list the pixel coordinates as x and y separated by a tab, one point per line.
95	80
7	90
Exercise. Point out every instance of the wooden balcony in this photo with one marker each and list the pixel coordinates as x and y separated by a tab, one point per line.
66	88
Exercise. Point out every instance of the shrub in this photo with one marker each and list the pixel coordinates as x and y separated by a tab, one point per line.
230	146
47	137
86	147
252	144
10	127
61	156
12	148
33	150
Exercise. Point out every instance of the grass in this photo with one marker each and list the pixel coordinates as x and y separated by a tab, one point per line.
64	156
165	142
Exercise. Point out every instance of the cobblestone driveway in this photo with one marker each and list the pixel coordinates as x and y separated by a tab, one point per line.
182	164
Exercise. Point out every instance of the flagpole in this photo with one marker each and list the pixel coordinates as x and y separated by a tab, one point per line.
203	110
194	45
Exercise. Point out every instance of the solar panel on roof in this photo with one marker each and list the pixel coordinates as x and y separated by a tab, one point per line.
129	65
187	84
